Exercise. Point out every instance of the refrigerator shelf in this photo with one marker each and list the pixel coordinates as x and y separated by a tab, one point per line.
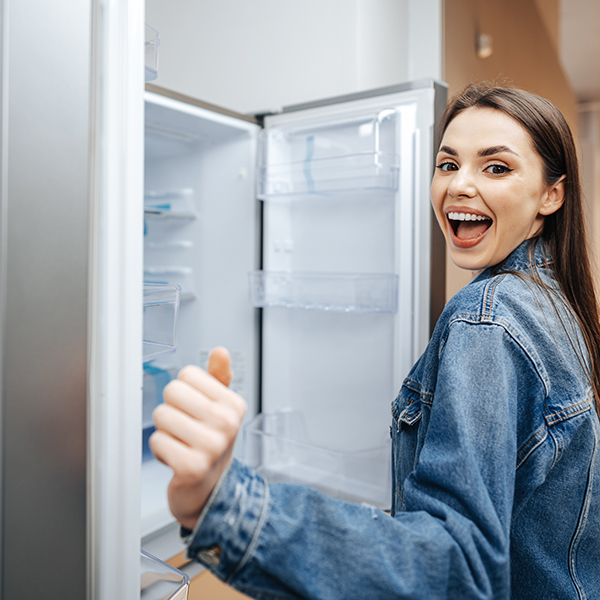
161	310
335	292
151	47
355	173
275	445
167	213
161	581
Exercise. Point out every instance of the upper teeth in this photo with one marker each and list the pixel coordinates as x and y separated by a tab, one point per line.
459	216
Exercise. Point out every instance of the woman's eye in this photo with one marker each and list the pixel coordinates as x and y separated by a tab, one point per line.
447	166
498	169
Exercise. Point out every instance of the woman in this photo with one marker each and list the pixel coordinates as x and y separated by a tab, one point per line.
496	474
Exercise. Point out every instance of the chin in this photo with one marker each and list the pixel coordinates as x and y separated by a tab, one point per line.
467	263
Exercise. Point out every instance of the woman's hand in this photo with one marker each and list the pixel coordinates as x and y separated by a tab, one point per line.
196	428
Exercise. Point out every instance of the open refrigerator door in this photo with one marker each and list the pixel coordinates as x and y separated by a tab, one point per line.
344	287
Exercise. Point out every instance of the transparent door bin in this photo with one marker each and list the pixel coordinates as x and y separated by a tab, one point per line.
275	444
161	310
330	176
356	153
151	48
336	292
160	581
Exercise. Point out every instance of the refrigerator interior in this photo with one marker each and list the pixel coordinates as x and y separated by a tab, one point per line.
344	287
200	236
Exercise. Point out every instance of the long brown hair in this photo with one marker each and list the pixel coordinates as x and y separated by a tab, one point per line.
564	231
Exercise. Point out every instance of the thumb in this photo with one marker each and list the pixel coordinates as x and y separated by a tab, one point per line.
219	365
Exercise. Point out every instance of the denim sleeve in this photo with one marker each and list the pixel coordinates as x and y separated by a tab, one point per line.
289	541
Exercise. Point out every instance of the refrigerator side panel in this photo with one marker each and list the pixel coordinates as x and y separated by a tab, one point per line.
45	234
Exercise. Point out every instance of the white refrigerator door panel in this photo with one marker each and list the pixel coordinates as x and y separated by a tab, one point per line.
346	220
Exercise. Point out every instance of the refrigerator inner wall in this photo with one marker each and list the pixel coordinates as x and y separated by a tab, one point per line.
200	232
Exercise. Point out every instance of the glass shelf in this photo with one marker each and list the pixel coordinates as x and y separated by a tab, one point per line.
161	310
151	47
336	292
330	176
161	581
172	204
275	445
169	214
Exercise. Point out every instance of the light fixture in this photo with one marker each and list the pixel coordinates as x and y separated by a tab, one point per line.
484	44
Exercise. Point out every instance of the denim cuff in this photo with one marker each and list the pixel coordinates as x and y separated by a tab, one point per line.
228	527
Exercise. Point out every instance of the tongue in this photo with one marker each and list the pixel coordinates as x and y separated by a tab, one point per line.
468	230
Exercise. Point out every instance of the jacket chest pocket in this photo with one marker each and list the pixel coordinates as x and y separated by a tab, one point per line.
407	418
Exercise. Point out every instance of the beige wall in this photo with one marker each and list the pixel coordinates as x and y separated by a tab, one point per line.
525	54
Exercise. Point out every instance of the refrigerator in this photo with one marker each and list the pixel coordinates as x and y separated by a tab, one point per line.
304	242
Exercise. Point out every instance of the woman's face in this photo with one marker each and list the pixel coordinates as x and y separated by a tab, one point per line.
488	191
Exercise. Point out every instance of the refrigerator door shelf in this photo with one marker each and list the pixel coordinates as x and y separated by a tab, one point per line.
354	173
335	292
276	445
161	311
357	152
151	47
160	581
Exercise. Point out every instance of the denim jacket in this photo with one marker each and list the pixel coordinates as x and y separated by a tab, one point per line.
496	477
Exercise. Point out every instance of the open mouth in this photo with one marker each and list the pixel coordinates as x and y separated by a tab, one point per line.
468	228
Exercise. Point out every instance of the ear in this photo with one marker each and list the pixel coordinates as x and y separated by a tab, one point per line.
555	197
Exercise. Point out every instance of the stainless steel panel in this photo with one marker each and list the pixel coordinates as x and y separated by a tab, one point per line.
44	366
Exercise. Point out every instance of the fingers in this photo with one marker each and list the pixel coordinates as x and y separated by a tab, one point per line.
219	365
211	388
192	432
185	462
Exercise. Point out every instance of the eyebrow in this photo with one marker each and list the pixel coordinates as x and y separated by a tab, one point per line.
486	152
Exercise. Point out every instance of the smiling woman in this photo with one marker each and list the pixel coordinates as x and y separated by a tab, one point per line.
496	473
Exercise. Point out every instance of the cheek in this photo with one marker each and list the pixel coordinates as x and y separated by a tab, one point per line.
437	194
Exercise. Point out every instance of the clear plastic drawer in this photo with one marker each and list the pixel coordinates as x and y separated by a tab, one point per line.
161	311
276	445
337	292
160	581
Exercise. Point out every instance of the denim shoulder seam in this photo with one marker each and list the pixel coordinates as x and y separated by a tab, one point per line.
487	300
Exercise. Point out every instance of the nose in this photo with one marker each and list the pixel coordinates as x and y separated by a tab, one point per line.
462	184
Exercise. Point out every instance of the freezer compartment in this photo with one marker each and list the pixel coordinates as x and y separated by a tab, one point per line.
151	47
354	153
277	446
336	292
161	311
160	581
